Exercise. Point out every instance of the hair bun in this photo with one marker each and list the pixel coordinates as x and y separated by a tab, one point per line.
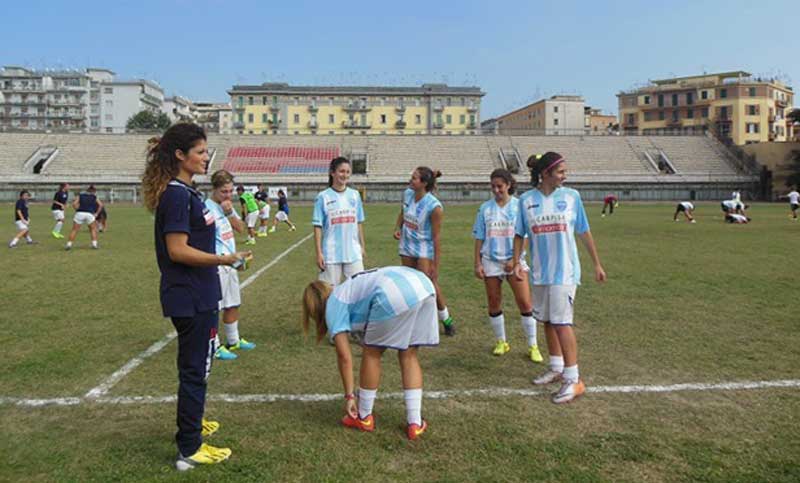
437	174
533	159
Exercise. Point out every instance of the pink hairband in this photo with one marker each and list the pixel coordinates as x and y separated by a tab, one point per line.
559	160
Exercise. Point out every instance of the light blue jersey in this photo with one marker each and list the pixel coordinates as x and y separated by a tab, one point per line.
551	223
495	225
225	241
338	214
416	236
375	296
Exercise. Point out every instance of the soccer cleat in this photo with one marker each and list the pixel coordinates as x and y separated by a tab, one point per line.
209	427
56	235
205	455
603	215
533	352
549	377
367	424
242	345
12	245
414	431
501	348
693	221
224	354
272	230
449	327
570	390
293	228
32	242
251	241
68	247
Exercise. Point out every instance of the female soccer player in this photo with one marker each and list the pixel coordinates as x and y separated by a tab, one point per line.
262	198
282	214
794	202
418	228
687	208
494	246
396	309
190	291
550	215
610	202
58	208
338	226
249	213
21	220
226	221
87	206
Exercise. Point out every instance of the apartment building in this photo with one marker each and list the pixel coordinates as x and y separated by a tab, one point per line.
557	115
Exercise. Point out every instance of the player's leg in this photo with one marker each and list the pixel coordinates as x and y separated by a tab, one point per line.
561	303
76	225
426	265
494	300
368	380
93	233
522	296
411	372
58	215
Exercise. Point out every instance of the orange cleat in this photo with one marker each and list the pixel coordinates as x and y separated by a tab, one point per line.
367	424
414	431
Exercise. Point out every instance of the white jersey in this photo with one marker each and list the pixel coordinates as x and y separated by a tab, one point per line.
338	214
737	218
225	242
416	235
375	296
687	205
731	204
736	196
494	224
794	197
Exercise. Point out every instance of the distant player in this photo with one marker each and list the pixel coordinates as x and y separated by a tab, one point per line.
338	219
551	216
87	206
22	220
794	202
610	202
102	220
418	228
687	208
262	198
226	220
282	214
395	307
249	213
736	219
58	208
494	246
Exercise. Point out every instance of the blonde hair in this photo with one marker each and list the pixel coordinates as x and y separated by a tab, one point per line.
221	178
315	296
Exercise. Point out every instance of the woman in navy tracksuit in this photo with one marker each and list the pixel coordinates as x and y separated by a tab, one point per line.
190	290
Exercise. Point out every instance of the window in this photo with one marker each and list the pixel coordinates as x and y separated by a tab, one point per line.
472	118
418	119
752	91
723	93
648	116
661	100
275	118
241	117
462	119
675	115
297	118
383	118
250	100
264	118
449	119
690	114
331	119
109	117
363	119
752	127
632	119
703	94
674	99
661	116
704	112
555	109
241	100
250	117
689	98
108	90
647	99
274	99
264	102
555	122
752	110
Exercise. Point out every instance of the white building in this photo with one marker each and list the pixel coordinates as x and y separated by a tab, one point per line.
178	109
121	100
558	115
214	117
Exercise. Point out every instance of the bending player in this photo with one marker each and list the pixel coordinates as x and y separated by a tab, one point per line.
418	228
610	202
687	208
87	206
226	221
494	246
249	213
396	309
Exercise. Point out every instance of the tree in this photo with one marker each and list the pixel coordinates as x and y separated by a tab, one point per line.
794	115
793	179
148	121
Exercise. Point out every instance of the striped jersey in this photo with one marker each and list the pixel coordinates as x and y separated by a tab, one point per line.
416	235
338	214
495	225
375	296
551	223
224	239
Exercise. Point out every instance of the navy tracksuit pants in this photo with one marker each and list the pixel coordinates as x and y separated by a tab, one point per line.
197	342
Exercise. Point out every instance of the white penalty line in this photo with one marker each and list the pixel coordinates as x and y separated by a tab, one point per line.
102	389
448	394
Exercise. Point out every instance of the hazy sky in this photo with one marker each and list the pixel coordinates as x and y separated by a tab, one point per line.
516	51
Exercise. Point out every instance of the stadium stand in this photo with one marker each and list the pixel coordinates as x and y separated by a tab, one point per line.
280	160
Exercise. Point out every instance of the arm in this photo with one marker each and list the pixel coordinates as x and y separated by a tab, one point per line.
397	224
436	231
361	240
344	361
76	203
477	256
588	242
518	245
236	223
180	252
99	208
21	217
318	247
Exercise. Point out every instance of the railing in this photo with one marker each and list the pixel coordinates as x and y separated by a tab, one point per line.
313	108
356	125
356	107
400	124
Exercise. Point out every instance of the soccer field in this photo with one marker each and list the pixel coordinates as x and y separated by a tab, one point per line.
690	352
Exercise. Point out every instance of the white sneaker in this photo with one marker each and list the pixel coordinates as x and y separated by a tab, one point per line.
569	391
548	377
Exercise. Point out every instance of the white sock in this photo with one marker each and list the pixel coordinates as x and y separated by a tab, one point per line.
366	399
94	243
69	243
529	326
571	373
413	399
557	363
13	242
58	226
232	332
498	326
444	314
28	238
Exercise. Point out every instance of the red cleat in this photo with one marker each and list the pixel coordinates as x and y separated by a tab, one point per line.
414	431
367	424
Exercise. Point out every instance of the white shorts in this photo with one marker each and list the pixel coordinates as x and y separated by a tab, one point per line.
493	268
417	326
336	273
553	303
83	218
281	216
58	215
264	213
252	219
21	225
229	282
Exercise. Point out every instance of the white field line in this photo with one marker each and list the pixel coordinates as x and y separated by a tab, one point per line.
491	392
109	382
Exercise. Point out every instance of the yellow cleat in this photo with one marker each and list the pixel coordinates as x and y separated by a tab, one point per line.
501	348
206	455
209	427
536	356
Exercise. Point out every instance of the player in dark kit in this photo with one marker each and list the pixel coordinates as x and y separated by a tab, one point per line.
610	202
58	208
21	220
87	206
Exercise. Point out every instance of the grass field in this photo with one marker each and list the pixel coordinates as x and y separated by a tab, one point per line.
704	303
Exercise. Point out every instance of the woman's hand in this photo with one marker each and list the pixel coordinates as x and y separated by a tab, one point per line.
321	262
519	272
351	408
600	274
479	273
397	234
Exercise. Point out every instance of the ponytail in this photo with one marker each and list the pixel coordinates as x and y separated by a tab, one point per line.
429	177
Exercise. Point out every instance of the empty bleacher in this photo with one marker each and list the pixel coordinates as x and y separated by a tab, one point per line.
15	149
280	160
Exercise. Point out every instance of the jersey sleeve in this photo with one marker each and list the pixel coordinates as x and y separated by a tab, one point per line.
318	216
174	208
581	222
521	226
337	317
479	228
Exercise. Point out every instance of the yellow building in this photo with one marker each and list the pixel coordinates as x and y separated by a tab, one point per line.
277	108
734	105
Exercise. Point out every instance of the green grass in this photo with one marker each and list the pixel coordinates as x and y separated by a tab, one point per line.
708	302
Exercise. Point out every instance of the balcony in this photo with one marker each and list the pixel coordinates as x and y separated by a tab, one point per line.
356	107
238	125
313	124
274	108
673	122
355	125
780	102
438	125
22	89
238	107
438	107
472	125
472	108
401	109
313	108
400	124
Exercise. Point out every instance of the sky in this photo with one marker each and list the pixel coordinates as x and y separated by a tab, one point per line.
517	52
